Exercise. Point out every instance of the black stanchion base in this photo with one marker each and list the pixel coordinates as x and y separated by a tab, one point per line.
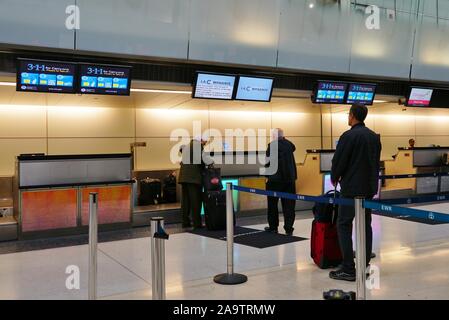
234	278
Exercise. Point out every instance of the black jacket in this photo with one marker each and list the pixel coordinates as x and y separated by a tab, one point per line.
356	162
286	171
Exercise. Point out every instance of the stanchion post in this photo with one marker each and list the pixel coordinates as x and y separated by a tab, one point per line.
360	248
93	240
158	237
230	277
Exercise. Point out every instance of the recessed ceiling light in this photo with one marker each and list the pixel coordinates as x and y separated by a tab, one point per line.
9	84
311	5
162	91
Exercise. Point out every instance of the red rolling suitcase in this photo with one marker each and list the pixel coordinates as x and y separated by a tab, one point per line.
325	249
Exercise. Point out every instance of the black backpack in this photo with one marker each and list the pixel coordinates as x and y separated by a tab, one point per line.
326	212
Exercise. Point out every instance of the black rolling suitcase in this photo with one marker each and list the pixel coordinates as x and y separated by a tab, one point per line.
150	192
215	210
169	189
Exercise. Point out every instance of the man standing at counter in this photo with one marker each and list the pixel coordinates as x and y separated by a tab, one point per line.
355	166
283	181
190	178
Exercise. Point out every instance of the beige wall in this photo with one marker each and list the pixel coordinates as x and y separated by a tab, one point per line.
74	124
395	125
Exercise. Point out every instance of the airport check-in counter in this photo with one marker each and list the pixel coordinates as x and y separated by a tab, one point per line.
244	169
314	173
418	161
52	193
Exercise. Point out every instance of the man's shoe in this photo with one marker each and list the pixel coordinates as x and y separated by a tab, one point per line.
289	232
272	230
342	275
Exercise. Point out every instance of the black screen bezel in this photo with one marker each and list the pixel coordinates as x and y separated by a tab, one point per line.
361	102
409	92
18	75
128	90
195	81
259	77
315	92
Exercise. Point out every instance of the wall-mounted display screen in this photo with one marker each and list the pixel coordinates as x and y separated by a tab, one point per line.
103	79
45	76
254	89
330	92
361	93
214	86
419	97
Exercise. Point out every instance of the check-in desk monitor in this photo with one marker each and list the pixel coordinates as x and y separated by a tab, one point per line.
326	161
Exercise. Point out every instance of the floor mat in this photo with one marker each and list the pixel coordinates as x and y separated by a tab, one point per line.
250	237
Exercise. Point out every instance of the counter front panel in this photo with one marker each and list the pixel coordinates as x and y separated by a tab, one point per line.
114	204
48	209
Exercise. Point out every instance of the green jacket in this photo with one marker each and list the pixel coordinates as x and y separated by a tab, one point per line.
192	163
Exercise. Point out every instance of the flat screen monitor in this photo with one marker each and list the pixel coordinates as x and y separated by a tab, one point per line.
361	93
45	76
419	97
214	86
254	89
330	92
105	79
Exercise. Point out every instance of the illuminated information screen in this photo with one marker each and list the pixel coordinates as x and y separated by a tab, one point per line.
214	86
361	93
100	79
331	92
45	76
254	89
420	97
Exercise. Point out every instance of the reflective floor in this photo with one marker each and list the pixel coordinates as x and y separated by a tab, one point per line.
413	262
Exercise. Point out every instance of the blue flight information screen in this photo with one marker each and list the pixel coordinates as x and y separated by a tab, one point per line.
45	76
331	92
254	89
361	93
99	79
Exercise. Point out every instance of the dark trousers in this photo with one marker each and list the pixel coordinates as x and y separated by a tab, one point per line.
288	206
191	204
346	215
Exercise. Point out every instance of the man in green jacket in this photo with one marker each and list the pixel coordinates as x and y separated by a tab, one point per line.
193	162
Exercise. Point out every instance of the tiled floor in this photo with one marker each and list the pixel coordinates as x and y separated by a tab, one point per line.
413	260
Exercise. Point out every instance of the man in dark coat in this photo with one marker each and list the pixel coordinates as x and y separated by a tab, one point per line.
193	162
355	166
282	151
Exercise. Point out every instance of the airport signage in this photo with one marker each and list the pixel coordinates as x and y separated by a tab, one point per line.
105	79
45	76
254	89
214	86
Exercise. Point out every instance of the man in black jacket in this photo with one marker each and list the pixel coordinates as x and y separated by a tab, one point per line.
355	166
282	151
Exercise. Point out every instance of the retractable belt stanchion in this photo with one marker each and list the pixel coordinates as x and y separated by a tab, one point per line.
360	249
93	240
158	237
230	277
